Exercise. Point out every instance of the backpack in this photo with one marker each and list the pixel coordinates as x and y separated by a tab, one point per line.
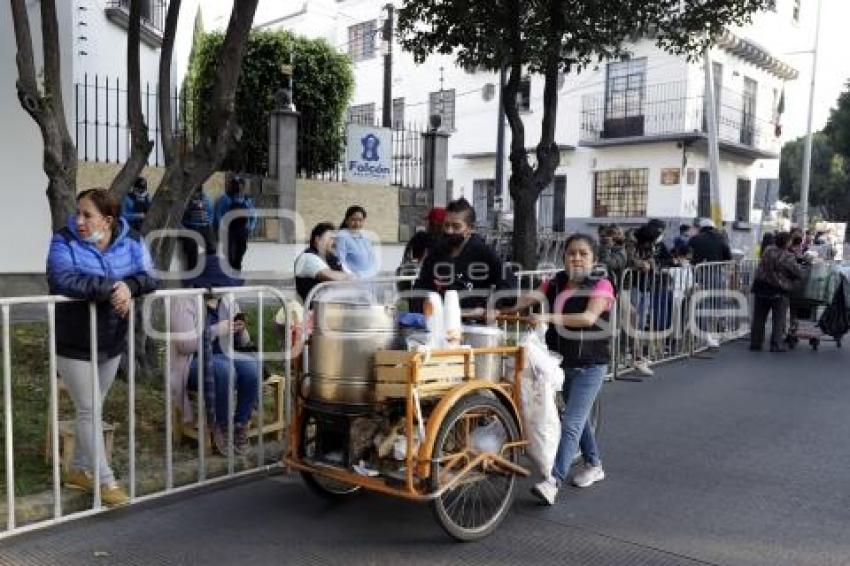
835	320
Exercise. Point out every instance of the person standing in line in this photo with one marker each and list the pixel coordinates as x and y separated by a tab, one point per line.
198	217
353	247
136	204
683	238
776	276
241	223
96	257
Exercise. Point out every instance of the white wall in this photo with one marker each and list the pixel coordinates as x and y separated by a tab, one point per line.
25	220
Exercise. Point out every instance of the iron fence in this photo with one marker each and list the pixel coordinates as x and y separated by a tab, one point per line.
322	156
101	128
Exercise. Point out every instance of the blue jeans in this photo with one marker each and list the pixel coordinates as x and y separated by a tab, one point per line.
581	386
246	383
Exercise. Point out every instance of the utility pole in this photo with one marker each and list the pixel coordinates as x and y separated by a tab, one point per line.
387	38
500	139
713	146
807	153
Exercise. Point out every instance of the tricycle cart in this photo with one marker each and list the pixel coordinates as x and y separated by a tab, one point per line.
424	426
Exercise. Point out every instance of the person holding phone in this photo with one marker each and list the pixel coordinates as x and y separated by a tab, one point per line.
222	319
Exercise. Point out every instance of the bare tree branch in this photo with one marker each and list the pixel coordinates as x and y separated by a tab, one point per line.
27	85
59	158
185	173
141	144
165	109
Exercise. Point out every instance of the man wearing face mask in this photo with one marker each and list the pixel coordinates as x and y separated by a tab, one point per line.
461	261
136	204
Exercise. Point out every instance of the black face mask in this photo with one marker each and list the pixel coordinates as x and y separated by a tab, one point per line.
453	240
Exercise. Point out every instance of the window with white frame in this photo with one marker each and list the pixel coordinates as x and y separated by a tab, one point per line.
442	102
361	40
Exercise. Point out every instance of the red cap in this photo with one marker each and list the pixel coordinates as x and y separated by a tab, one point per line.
436	215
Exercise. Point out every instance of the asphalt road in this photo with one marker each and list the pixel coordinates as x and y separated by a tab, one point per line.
741	459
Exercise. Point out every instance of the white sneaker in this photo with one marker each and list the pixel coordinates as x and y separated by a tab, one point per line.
547	491
642	367
588	475
712	342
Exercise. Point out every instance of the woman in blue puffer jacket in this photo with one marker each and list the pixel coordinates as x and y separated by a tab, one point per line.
96	258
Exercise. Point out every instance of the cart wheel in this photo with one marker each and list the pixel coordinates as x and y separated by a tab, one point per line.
322	486
480	501
814	343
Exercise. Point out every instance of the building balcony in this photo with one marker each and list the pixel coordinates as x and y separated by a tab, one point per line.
153	18
669	112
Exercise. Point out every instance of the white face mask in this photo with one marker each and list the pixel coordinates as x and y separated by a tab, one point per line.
94	238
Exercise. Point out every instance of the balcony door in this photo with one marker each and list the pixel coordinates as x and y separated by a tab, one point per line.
748	112
625	96
704	195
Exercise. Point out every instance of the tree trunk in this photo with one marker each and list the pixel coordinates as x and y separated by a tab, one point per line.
185	173
47	108
141	145
526	183
165	110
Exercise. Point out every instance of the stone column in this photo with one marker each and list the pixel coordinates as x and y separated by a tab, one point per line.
435	165
283	148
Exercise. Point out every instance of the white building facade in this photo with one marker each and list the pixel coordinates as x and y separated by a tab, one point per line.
93	47
632	133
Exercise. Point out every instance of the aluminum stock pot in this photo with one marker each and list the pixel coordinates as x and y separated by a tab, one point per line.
487	366
346	335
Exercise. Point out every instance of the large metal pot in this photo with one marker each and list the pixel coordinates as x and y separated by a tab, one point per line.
353	315
346	335
487	366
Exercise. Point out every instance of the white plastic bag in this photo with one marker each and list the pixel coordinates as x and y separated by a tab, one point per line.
540	382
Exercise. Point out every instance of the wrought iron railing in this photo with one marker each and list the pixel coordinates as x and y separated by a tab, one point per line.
674	108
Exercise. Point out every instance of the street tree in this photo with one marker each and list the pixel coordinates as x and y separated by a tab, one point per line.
555	37
323	81
829	185
838	126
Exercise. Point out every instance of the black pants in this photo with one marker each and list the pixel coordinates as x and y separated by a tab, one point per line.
237	245
190	246
778	306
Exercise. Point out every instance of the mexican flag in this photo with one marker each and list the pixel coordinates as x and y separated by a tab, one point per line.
777	115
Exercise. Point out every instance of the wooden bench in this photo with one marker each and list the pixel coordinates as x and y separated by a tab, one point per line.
274	386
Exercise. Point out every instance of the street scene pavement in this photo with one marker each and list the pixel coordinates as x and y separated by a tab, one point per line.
740	458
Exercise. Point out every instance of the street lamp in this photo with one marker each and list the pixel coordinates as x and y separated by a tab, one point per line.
807	154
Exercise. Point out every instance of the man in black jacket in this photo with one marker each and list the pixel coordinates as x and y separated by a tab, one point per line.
461	261
709	245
